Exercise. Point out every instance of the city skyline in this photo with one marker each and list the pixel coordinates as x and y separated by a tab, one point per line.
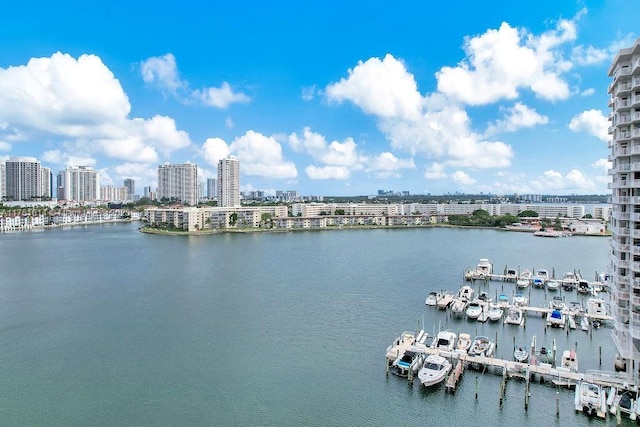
332	100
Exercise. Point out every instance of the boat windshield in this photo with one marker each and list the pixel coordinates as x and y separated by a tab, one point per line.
433	366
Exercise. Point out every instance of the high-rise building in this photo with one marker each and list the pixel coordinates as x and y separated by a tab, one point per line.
212	188
109	193
79	183
46	190
625	184
131	186
178	182
229	182
23	178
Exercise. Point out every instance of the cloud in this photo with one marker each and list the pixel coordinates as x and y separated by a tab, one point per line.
162	72
308	92
602	164
259	155
435	171
593	122
588	92
81	101
327	172
517	117
386	165
228	122
5	146
432	125
589	55
460	177
501	62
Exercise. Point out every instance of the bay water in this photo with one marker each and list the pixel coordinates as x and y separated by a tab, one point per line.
106	326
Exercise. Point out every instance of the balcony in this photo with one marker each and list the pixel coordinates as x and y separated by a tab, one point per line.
635	300
623	87
620	199
635	82
623	231
635	100
635	116
621	280
610	130
623	135
622	103
622	247
635	217
621	215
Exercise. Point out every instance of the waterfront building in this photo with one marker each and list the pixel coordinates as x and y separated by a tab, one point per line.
178	182
23	179
131	187
624	101
212	188
229	182
110	193
79	183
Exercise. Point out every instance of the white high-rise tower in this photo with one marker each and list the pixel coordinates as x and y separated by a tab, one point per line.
229	182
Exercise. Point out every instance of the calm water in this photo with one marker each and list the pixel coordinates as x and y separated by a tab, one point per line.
106	326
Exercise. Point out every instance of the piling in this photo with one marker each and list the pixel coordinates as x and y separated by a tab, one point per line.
600	355
557	404
526	390
476	387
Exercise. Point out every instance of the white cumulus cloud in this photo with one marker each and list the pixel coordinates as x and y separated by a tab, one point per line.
592	122
461	177
327	172
517	117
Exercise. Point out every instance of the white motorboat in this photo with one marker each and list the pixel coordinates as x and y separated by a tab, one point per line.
623	400
484	298
515	316
484	269
458	306
444	341
557	303
556	319
619	364
584	287
571	321
434	370
495	312
520	354
542	274
526	274
404	342
445	300
596	307
575	308
474	309
410	360
503	301
520	300
584	324
464	342
570	360
590	398
569	281
481	346
465	293
512	275
523	283
553	285
432	299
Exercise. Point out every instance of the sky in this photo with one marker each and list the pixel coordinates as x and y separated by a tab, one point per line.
325	98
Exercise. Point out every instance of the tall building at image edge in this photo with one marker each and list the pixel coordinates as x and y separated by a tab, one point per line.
229	182
178	182
624	101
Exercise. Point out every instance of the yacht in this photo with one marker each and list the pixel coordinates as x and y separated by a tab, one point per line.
569	281
481	347
444	341
596	307
515	316
465	293
584	287
484	269
590	398
434	370
512	275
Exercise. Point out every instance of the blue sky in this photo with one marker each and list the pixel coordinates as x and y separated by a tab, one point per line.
326	98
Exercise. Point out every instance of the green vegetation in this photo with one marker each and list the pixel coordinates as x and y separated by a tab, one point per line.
528	214
482	218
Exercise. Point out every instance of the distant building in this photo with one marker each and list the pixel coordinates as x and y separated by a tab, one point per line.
229	182
109	193
79	183
24	179
131	187
212	188
178	182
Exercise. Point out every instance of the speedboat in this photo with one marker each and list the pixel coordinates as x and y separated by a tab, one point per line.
404	342
538	283
434	370
458	306
520	354
512	275
445	341
465	293
484	298
519	300
432	299
481	347
596	307
523	283
515	316
571	320
575	308
553	285
570	360
584	287
495	312
408	361
542	274
464	342
557	303
474	309
556	319
503	301
584	324
590	398
569	281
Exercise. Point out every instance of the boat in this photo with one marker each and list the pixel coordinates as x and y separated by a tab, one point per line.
584	287
432	298
570	360
520	354
556	319
458	306
474	309
584	324
404	342
495	312
557	303
569	281
445	300
571	321
590	398
547	355
596	307
575	308
409	361
626	402
444	341
484	269
465	293
538	283
526	274
484	298
503	301
481	346
519	300
523	283
515	316
619	364
464	342
512	275
434	370
542	274
553	284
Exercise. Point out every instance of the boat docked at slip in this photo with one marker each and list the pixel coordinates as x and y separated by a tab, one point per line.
584	287
458	307
596	307
569	281
404	342
409	361
520	300
542	274
521	354
434	370
474	309
553	284
515	316
557	303
523	283
481	346
538	283
433	297
590	398
570	360
556	319
465	293
503	301
444	341
512	275
495	312
483	271
464	342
